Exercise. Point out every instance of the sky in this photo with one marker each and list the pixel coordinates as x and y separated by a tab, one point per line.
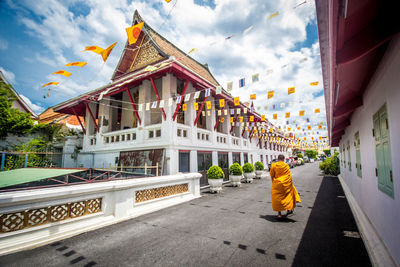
39	37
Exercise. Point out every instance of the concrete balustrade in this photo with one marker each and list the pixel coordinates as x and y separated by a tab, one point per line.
37	217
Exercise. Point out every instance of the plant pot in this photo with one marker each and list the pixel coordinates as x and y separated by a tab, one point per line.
235	179
215	185
249	176
259	174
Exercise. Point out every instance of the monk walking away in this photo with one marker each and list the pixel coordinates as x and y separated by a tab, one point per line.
283	193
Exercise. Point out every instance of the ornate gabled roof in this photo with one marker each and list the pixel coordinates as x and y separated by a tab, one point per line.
150	48
49	116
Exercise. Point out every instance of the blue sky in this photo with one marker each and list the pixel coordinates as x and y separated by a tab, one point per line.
40	37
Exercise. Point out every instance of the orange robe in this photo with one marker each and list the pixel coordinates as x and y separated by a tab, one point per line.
283	193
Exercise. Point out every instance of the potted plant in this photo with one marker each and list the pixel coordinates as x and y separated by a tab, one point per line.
215	177
259	169
248	170
235	174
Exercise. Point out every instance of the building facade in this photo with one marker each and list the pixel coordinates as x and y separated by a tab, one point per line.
162	109
360	53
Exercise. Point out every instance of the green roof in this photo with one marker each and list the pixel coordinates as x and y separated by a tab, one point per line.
25	175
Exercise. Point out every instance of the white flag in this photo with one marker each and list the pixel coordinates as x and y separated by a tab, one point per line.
154	105
170	102
238	111
196	95
207	92
161	103
225	112
218	89
208	113
178	99
219	112
147	106
245	110
140	107
187	97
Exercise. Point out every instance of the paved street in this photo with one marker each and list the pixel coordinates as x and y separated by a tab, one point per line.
234	228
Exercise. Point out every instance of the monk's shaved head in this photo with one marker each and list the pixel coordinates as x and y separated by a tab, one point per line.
281	157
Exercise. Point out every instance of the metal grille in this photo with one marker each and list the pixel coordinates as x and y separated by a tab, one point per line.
149	194
30	218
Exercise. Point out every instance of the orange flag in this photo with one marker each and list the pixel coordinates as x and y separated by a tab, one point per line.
317	110
251	118
253	97
184	107
270	94
50	83
208	103
291	90
222	103
63	72
320	126
301	113
78	64
236	101
275	116
287	115
309	127
106	52
314	83
222	120
94	48
133	32
196	106
262	117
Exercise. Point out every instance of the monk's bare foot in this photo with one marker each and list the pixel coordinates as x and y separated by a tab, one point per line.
279	216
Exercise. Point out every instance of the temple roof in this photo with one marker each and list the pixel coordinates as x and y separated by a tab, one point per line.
150	48
49	116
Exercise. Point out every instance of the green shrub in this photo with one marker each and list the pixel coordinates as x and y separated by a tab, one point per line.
259	166
299	155
331	165
235	169
215	172
248	167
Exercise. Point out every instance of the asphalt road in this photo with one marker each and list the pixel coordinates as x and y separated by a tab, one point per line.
234	228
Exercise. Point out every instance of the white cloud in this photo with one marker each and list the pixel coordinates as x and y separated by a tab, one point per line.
35	107
269	45
10	76
3	44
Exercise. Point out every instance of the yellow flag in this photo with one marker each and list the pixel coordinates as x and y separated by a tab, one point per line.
106	52
301	113
251	118
270	94
63	72
222	120
50	83
222	103
208	104
309	127
287	115
133	32
94	48
273	15
298	128
196	106
184	107
291	90
193	50
253	97
275	116
314	83
241	118
262	117
167	1
320	138
78	64
320	126
317	110
289	129
236	101
231	120
305	138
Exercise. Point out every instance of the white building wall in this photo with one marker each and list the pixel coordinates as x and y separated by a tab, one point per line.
382	210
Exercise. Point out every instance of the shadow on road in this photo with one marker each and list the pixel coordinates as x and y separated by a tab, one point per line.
331	237
273	218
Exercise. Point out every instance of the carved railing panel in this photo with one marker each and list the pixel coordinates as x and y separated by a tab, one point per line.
34	217
159	192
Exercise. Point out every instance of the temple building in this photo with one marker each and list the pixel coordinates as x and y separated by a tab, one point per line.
360	56
162	108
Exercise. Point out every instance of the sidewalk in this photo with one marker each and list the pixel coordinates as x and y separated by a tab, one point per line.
234	228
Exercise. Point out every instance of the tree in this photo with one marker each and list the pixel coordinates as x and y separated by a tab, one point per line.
327	152
312	154
12	121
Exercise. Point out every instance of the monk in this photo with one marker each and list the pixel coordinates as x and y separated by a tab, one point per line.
283	193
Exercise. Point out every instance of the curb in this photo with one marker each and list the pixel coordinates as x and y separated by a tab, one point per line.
377	251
